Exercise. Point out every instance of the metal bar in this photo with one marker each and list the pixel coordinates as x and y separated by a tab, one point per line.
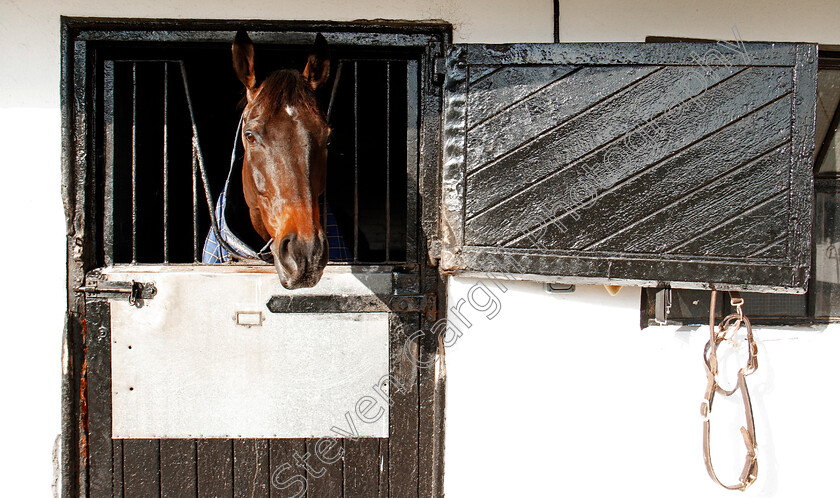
133	162
334	91
195	201
208	196
407	303
412	144
387	162
355	162
165	162
108	201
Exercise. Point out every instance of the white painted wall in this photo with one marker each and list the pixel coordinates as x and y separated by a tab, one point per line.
592	405
563	395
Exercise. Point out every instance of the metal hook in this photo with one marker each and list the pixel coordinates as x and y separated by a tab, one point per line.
736	300
732	322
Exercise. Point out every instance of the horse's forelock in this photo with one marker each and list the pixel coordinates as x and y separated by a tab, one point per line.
287	87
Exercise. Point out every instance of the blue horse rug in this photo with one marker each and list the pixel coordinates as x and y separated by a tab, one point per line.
214	252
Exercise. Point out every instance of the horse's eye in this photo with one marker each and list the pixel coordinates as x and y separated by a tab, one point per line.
250	138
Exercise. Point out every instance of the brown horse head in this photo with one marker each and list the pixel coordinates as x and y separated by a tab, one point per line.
285	136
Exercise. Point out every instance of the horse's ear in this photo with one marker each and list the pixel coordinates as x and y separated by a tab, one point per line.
317	68
243	60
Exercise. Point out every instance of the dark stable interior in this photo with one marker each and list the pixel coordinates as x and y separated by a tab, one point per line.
216	95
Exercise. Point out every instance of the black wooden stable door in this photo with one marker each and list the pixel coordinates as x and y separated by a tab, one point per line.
211	380
221	383
681	164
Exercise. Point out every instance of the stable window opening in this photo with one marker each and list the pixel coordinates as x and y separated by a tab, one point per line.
154	210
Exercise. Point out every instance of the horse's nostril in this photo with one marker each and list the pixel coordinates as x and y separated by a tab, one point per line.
299	261
285	245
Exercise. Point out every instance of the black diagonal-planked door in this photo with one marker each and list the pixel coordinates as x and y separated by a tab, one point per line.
683	164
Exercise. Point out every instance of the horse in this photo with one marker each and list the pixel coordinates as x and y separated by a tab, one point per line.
285	136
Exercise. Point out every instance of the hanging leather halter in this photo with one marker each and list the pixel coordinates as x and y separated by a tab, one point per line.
726	331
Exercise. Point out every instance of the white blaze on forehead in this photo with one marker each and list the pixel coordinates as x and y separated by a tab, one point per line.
290	110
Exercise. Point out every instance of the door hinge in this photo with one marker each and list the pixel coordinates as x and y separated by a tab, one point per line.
134	292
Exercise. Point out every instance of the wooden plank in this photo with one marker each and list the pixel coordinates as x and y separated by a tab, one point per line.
545	109
537	157
287	478
431	416
430	154
746	233
293	33
72	463
595	187
383	467
98	377
118	477
802	144
757	54
141	467
178	467
703	209
676	177
251	474
361	467
324	478
476	73
508	86
772	249
215	467
403	393
432	388
81	253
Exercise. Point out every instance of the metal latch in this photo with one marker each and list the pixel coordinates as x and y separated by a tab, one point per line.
407	303
134	292
414	303
558	288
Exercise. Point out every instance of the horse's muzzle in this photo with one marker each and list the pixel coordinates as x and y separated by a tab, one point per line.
300	262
